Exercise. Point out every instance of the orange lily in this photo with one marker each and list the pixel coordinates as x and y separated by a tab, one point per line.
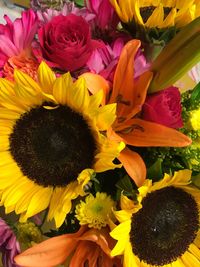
91	246
130	94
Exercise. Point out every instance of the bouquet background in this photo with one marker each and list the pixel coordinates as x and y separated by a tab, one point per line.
99	134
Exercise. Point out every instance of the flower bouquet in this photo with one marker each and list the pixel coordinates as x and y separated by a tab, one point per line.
100	134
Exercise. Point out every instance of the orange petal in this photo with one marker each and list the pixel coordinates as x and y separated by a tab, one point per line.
134	165
85	252
123	85
140	92
145	133
95	83
100	237
49	253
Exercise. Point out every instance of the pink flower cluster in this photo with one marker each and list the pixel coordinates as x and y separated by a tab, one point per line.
76	40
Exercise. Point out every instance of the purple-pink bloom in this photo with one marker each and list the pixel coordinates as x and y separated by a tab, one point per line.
103	61
68	8
15	41
9	246
164	107
105	13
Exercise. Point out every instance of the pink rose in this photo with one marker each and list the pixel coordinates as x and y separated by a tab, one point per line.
164	107
66	42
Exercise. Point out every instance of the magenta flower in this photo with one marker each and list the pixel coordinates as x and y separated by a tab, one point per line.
103	61
164	107
105	13
9	247
15	44
66	42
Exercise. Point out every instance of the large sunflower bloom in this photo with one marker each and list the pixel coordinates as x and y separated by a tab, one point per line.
87	247
51	142
130	95
157	13
162	229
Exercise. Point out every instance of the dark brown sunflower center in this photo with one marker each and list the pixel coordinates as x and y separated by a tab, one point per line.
165	226
52	146
146	12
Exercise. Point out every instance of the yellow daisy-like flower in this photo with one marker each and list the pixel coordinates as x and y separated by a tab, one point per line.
51	142
162	229
157	13
95	211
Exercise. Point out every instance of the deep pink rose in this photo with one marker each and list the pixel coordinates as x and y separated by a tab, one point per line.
66	42
164	107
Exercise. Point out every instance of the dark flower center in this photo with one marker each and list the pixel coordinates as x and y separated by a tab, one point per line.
165	226
52	146
146	12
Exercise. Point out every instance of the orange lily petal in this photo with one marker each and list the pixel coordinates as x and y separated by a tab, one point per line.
49	253
140	92
146	133
134	165
100	237
123	84
95	83
86	251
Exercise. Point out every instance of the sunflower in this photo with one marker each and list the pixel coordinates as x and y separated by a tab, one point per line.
51	142
162	228
157	13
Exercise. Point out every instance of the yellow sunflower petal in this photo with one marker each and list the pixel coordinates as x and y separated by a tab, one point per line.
95	101
79	95
4	143
24	81
11	194
61	89
56	201
190	260
197	240
23	202
194	250
109	151
7	114
122	230
60	204
46	78
85	176
6	86
16	191
156	19
130	259
40	201
170	19
105	116
123	215
180	178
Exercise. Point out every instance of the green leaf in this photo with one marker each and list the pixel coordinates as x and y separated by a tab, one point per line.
178	57
195	93
155	171
126	186
79	3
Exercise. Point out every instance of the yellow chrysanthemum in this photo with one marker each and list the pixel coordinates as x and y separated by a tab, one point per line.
51	142
162	229
157	13
95	211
